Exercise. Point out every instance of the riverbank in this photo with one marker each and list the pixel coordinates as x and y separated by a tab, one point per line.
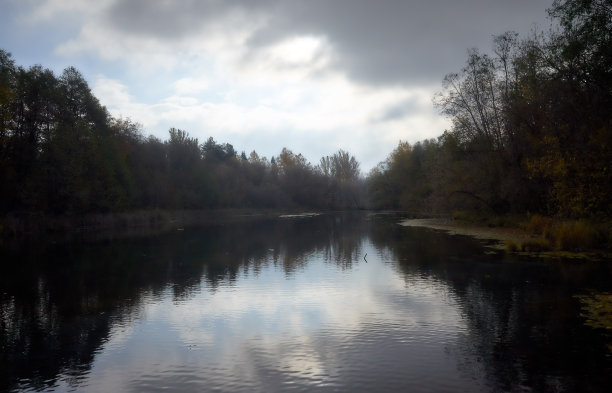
502	235
35	225
520	240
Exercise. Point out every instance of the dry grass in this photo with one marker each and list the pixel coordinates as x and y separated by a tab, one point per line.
569	235
536	245
539	225
539	235
576	236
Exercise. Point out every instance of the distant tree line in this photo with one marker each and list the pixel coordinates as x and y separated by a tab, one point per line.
61	153
531	127
531	132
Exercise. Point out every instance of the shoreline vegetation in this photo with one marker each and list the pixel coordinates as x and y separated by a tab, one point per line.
538	236
530	137
34	225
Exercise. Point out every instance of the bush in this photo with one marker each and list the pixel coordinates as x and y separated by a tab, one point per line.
536	245
575	236
539	225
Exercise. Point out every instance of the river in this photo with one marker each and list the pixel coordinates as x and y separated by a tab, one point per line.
336	302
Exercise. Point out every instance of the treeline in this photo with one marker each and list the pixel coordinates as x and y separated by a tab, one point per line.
531	132
531	127
61	153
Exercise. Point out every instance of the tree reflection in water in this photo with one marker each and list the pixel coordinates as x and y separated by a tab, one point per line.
524	323
59	303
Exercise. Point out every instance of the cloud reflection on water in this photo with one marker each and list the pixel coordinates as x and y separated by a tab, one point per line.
271	305
308	328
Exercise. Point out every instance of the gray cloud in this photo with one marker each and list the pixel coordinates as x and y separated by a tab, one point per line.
398	111
170	20
383	42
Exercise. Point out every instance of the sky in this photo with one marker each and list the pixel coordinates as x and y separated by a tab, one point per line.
314	76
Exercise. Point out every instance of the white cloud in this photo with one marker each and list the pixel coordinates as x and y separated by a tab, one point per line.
190	85
299	50
181	101
315	118
111	91
212	82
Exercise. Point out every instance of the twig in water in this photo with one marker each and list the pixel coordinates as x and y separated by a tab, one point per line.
364	257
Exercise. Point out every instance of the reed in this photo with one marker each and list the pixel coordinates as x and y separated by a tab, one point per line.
536	245
575	236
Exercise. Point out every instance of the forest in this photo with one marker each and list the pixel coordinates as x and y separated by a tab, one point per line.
531	128
531	133
63	154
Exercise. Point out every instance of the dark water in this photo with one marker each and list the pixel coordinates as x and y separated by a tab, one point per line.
292	305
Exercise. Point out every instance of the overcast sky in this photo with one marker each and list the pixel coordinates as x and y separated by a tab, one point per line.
311	75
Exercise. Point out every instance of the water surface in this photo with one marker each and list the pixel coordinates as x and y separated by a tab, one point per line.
344	302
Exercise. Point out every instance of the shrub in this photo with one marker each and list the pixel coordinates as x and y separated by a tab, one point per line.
575	235
536	245
539	225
